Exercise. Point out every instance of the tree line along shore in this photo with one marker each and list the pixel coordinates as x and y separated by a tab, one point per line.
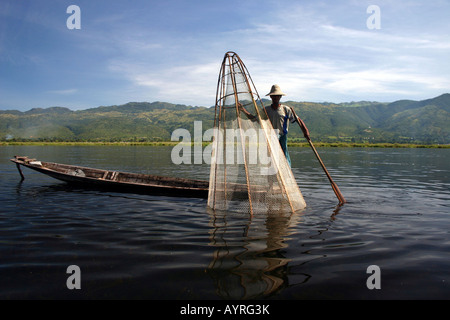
173	143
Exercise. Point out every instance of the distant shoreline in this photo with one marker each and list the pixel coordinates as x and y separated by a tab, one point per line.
173	143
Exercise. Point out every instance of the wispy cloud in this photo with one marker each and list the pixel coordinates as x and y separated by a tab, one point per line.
187	84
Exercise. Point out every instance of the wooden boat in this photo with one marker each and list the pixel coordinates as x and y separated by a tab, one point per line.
120	181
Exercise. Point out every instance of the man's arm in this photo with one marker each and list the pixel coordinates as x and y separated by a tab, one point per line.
245	111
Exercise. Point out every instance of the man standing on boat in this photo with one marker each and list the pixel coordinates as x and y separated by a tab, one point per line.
280	116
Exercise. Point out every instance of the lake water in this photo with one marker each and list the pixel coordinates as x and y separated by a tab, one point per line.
131	246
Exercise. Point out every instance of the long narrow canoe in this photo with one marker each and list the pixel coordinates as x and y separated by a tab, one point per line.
120	181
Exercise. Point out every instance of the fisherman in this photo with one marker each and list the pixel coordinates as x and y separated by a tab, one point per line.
280	116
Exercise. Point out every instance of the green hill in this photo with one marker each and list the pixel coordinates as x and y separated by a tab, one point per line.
426	121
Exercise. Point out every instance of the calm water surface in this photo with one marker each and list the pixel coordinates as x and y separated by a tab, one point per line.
151	247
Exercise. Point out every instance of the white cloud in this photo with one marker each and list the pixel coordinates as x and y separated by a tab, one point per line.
188	84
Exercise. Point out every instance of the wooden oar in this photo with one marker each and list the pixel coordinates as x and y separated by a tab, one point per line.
306	134
20	171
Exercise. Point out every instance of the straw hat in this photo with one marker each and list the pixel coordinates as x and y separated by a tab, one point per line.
275	91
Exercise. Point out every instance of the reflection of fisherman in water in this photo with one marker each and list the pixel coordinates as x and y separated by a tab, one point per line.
248	262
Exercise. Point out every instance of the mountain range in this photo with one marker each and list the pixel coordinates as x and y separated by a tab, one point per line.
403	121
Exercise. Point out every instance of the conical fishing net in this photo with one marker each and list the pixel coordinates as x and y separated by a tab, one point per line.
249	172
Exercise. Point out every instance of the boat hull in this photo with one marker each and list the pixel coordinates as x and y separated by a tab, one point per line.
118	181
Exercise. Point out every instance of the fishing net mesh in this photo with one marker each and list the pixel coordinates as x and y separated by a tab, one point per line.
249	172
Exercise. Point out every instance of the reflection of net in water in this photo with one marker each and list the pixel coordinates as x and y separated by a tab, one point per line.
248	260
249	171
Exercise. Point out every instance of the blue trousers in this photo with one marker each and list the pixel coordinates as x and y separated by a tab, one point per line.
283	143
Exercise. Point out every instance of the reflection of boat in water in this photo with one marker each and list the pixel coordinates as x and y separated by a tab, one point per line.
248	262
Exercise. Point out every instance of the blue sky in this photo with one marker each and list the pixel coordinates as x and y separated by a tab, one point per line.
171	50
